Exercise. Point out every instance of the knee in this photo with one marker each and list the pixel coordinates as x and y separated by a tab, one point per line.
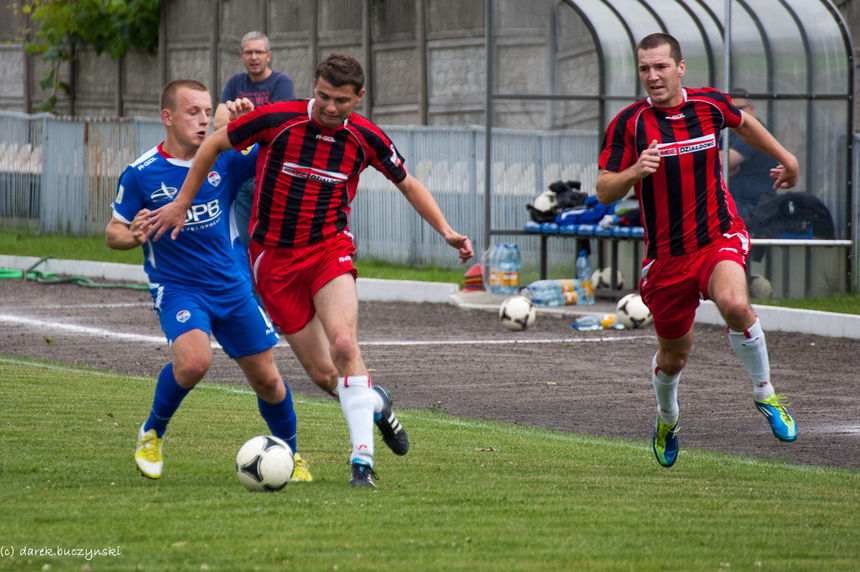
737	312
344	348
324	376
270	389
190	370
671	363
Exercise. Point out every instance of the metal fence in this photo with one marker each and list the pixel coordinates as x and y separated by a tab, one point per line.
59	175
450	162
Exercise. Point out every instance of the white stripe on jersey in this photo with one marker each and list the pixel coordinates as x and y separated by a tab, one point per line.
159	294
145	156
302	171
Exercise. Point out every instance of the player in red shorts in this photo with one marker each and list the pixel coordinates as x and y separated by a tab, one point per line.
667	147
311	155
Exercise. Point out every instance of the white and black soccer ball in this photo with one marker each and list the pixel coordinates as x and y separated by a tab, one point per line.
760	287
632	312
264	463
602	278
517	313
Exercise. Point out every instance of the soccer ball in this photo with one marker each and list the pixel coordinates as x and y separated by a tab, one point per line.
517	313
603	278
264	463
760	287
632	311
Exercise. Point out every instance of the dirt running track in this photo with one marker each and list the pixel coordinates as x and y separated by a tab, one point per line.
464	363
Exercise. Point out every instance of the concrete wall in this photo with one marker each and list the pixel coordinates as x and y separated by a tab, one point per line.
424	58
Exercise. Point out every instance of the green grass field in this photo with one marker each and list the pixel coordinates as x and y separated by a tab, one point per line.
470	495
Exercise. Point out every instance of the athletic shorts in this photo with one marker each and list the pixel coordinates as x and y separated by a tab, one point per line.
671	287
235	318
287	279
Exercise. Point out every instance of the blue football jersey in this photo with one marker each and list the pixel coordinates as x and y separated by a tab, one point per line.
207	253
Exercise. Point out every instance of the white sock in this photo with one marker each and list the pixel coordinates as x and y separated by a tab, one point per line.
666	388
357	403
377	399
751	347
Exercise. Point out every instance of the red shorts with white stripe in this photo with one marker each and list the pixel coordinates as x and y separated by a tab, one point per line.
288	278
671	287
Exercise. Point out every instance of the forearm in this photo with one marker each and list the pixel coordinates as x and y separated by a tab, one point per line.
118	236
222	117
755	135
425	205
204	160
612	186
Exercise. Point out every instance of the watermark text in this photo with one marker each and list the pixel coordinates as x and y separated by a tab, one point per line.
11	552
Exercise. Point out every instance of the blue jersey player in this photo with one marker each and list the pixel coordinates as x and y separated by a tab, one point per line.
200	283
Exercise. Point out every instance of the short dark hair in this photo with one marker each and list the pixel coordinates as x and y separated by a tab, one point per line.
652	41
168	94
340	69
739	92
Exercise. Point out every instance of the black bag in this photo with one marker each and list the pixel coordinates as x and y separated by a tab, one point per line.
568	194
791	215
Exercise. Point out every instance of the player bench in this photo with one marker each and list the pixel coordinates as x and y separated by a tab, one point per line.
606	250
764	251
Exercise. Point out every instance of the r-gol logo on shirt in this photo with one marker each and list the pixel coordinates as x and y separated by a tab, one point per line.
214	178
183	316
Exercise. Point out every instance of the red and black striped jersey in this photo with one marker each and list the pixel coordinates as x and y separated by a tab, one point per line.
307	175
685	204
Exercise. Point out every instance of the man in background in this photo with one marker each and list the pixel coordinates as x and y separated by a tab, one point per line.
749	168
261	85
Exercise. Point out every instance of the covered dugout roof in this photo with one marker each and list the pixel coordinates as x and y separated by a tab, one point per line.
793	57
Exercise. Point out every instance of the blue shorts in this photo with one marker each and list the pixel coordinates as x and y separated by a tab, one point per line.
234	317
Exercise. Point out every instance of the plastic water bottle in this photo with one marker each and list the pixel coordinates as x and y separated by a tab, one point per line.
593	322
511	269
583	272
493	274
485	266
552	292
544	293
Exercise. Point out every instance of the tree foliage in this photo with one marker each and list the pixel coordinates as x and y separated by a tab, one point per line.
112	26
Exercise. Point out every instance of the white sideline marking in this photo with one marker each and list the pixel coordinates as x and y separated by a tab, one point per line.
100	332
74	306
75	329
461	422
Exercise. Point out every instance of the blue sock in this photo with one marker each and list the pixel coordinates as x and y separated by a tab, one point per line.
168	396
281	418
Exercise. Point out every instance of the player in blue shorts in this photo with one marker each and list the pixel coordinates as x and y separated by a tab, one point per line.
200	283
